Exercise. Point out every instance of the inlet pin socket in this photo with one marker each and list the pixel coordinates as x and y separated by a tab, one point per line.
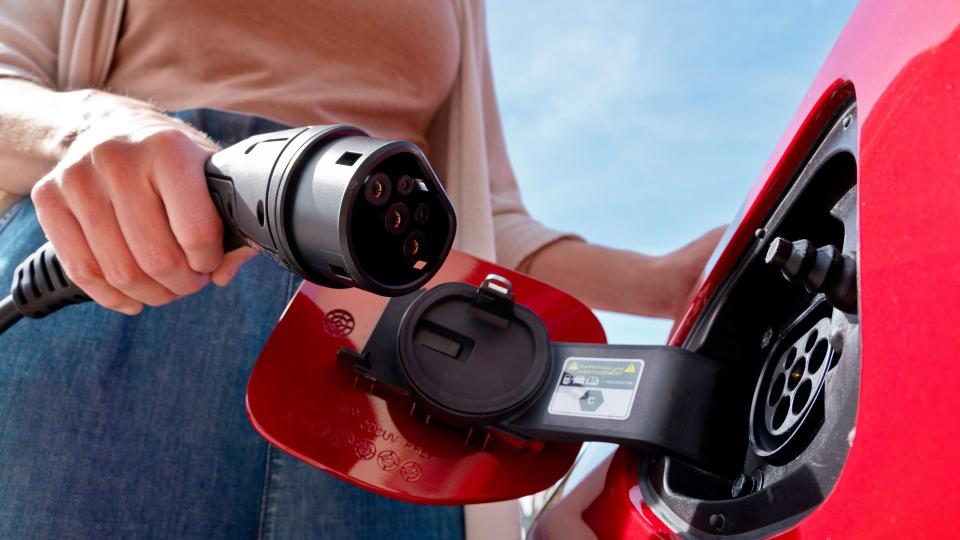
787	404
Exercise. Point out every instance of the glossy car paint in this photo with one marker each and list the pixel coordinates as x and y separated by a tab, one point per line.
302	401
901	60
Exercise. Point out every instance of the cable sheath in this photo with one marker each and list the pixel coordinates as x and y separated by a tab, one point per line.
8	314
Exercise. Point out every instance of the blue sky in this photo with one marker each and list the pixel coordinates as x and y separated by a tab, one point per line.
641	124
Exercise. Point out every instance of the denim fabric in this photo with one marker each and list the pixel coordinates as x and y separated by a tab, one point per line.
135	427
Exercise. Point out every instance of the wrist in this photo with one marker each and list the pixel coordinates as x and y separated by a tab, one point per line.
92	109
680	278
106	116
654	285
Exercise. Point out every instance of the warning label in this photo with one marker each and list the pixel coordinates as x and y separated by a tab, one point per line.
596	388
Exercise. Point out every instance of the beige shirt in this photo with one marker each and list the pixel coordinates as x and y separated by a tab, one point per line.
417	69
336	61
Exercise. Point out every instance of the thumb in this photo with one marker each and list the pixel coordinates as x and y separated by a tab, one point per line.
230	265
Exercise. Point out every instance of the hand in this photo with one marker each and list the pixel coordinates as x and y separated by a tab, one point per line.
624	281
128	212
685	268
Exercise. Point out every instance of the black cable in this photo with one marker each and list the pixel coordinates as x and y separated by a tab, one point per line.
9	314
40	287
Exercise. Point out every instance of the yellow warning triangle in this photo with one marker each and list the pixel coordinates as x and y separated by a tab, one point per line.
572	366
630	368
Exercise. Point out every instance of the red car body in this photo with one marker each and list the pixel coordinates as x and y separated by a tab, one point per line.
901	63
893	80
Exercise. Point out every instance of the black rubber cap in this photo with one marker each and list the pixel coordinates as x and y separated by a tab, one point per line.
469	365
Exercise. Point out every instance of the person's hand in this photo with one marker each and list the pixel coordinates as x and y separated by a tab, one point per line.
128	212
624	281
685	267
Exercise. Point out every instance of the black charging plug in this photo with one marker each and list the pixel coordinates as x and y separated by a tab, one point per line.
329	203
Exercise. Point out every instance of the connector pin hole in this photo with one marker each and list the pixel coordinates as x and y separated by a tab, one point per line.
396	218
818	355
422	214
414	246
377	190
802	396
788	358
405	185
796	374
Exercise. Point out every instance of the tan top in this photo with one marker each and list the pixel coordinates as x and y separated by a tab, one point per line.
417	69
336	61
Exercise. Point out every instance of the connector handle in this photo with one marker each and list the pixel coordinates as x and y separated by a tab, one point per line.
40	286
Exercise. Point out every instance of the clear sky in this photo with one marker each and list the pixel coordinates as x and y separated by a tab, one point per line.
640	124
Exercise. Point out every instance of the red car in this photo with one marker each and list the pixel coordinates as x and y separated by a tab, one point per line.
839	415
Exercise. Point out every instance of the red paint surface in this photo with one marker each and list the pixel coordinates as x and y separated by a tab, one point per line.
619	511
302	401
902	476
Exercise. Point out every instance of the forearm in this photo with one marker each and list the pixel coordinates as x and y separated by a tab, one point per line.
37	126
607	278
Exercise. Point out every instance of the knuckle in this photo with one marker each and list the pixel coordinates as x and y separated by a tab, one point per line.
111	156
203	234
77	176
83	272
160	263
124	276
168	141
108	149
45	192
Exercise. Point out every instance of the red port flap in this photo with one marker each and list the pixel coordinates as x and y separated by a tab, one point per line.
303	401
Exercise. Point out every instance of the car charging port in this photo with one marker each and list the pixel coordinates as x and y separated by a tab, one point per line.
784	327
787	405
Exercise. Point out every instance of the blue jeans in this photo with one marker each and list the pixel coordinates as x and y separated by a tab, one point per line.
115	426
